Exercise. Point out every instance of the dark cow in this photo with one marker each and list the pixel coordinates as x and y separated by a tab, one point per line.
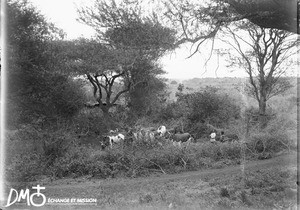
179	138
168	134
231	137
129	137
104	142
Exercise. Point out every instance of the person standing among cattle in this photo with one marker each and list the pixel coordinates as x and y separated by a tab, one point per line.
213	136
222	137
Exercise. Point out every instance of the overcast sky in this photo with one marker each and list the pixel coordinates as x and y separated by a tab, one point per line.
63	14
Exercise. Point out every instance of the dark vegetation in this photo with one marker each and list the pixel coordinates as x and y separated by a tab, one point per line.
51	133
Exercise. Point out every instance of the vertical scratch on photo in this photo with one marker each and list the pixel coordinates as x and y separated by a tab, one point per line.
2	102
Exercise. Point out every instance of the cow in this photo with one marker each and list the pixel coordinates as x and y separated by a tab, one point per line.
179	138
105	142
168	135
111	140
144	134
231	137
147	135
130	136
162	130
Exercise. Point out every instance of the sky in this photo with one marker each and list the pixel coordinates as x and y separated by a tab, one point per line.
63	14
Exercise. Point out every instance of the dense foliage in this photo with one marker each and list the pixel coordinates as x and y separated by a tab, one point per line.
36	88
194	111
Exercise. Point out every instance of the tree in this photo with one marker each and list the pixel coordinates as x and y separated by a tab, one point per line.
262	57
106	69
36	89
147	96
130	44
199	21
179	94
280	14
209	106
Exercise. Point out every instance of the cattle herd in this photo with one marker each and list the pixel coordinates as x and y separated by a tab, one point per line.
151	135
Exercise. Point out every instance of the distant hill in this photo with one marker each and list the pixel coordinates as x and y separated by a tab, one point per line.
222	83
226	85
196	84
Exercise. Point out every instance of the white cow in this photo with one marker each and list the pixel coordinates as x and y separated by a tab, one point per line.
162	130
116	139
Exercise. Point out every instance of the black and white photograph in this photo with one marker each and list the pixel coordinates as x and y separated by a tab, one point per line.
149	104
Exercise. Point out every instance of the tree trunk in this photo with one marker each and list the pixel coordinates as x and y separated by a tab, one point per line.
106	115
262	112
105	111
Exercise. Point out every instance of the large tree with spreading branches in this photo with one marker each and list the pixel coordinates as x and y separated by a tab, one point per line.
127	45
266	55
33	75
199	21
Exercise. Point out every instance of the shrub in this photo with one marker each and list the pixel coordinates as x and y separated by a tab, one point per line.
90	123
32	150
134	161
73	162
209	104
25	168
265	142
139	159
145	198
253	114
224	192
231	150
199	129
210	150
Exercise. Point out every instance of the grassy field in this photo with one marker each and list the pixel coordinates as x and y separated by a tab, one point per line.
267	184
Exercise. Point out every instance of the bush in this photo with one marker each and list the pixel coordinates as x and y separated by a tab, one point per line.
31	150
231	150
74	161
199	130
137	160
253	114
25	168
208	104
89	125
263	142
